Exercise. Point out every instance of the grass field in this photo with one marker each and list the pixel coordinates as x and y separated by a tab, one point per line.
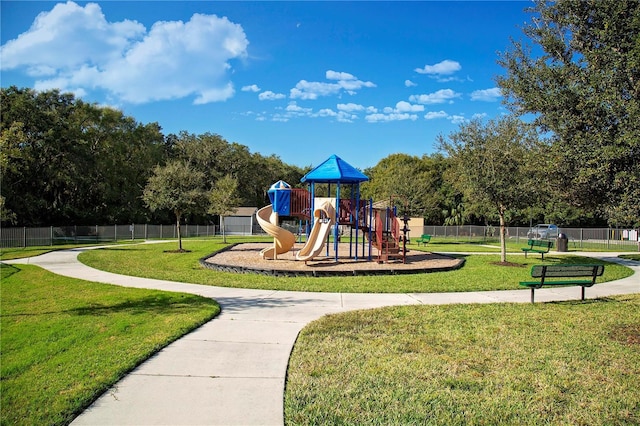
570	363
479	273
65	341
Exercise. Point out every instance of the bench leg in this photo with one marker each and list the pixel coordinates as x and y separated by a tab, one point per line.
583	293
533	292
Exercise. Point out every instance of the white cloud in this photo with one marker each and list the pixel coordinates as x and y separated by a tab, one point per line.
445	67
431	115
253	88
487	95
82	33
271	96
311	90
294	108
350	107
214	95
402	111
457	119
378	117
409	83
172	60
454	118
345	117
327	112
334	75
404	106
439	97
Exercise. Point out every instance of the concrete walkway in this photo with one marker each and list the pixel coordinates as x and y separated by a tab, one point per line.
232	370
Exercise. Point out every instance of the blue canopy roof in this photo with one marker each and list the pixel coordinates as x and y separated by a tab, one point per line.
335	170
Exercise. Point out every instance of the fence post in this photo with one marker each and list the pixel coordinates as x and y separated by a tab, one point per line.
24	236
115	232
51	235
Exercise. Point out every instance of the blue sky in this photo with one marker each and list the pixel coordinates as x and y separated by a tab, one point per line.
301	80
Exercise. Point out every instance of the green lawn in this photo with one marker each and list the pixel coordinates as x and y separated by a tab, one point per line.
65	341
479	273
573	363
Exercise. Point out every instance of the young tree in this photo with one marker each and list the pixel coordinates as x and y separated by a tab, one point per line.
492	165
178	188
579	75
223	198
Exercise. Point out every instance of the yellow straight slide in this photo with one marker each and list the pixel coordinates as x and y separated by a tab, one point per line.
283	239
319	233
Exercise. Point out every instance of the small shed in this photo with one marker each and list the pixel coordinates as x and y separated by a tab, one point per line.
240	221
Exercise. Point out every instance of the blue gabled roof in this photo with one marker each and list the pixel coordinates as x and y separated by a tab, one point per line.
335	170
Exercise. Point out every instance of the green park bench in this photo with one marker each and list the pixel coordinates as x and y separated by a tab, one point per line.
538	246
424	239
575	275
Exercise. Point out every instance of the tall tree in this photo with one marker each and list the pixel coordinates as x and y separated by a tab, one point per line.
414	179
177	187
579	75
493	165
223	199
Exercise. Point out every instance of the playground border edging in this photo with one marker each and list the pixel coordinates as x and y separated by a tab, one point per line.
314	273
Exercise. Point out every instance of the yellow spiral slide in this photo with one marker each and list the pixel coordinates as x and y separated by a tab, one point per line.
283	239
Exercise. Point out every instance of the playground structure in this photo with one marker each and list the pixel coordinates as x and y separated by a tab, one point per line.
373	227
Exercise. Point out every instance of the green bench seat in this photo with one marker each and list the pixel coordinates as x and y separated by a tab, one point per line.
424	239
538	246
575	275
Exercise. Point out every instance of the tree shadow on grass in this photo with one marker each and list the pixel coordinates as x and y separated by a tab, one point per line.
7	270
158	304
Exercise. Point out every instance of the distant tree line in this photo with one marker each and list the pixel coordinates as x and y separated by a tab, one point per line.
64	161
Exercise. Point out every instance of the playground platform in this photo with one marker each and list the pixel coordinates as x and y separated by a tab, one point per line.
244	258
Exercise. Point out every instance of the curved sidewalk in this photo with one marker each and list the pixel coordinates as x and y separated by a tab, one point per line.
232	369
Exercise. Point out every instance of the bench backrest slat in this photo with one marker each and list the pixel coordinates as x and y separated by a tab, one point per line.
550	271
540	243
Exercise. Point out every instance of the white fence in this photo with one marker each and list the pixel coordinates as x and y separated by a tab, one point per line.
45	236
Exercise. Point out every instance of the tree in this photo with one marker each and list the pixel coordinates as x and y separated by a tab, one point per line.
66	161
223	198
493	165
579	75
176	187
417	180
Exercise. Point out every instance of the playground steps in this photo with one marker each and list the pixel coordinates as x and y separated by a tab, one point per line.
389	249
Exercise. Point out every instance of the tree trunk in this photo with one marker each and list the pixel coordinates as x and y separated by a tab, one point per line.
178	228
503	237
224	235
